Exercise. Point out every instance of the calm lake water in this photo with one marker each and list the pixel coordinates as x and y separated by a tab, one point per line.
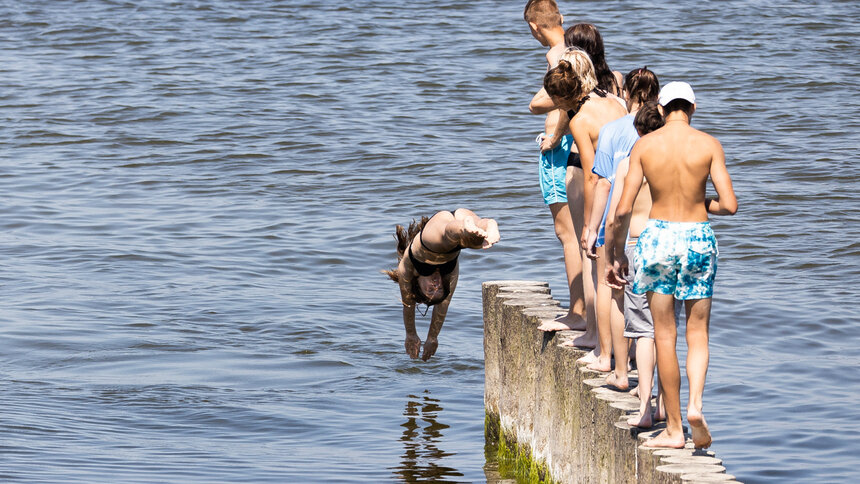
197	198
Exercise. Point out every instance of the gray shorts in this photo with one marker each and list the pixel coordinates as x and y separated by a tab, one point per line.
637	316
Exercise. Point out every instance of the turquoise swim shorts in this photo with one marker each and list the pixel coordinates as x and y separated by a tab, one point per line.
553	169
678	258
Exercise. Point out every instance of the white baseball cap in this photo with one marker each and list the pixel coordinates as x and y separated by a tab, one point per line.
676	90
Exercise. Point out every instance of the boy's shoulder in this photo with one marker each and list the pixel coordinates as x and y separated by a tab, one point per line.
651	139
704	138
554	54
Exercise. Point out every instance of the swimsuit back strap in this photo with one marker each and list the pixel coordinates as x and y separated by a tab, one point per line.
428	249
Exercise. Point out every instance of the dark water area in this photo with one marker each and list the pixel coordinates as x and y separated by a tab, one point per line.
197	198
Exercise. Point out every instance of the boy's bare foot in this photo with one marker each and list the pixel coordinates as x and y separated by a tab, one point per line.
602	364
665	441
614	380
492	234
659	413
634	391
413	344
570	321
699	429
589	358
470	227
642	420
586	341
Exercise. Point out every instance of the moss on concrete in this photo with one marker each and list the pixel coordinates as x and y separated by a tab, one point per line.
515	460
575	428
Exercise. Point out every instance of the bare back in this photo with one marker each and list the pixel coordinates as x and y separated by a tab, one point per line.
596	112
676	160
641	206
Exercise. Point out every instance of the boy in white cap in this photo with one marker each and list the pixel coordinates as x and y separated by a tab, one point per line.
676	253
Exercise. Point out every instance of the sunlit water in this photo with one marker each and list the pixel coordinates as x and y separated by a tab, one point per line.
198	196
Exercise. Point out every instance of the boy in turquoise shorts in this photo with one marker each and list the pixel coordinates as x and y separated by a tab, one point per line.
676	253
545	24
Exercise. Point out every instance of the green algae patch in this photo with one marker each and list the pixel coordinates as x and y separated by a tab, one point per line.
514	460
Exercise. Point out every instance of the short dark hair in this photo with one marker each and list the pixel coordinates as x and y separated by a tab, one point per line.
544	13
678	105
648	119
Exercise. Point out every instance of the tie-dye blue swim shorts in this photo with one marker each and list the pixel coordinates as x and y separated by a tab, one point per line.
678	258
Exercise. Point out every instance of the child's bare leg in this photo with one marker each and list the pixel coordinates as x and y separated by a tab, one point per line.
698	316
603	295
583	290
589	280
665	335
660	407
645	360
464	213
573	267
618	378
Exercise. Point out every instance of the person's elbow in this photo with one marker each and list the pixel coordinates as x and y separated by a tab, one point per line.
731	208
539	108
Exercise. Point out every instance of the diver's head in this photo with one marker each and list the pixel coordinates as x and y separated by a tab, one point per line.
432	288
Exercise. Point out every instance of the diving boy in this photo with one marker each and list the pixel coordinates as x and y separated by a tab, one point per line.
677	252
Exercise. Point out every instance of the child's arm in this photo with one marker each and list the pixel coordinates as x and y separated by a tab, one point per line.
579	128
413	342
437	319
725	203
541	103
589	235
618	224
609	237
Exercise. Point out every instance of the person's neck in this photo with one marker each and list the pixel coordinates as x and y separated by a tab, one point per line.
632	107
554	36
678	116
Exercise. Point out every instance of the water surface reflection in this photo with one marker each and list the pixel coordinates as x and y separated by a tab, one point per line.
422	432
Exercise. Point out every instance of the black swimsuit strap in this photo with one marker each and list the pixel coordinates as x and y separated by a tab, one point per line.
572	112
421	240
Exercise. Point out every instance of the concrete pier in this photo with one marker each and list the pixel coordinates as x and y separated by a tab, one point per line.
559	419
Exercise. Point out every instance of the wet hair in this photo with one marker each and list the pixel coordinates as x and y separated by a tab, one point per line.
572	78
587	38
678	105
404	237
648	118
543	13
641	85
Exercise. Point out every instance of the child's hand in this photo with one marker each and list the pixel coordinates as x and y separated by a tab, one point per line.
589	246
429	348
413	344
547	143
616	273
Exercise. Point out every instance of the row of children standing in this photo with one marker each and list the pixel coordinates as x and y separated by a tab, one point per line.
624	176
